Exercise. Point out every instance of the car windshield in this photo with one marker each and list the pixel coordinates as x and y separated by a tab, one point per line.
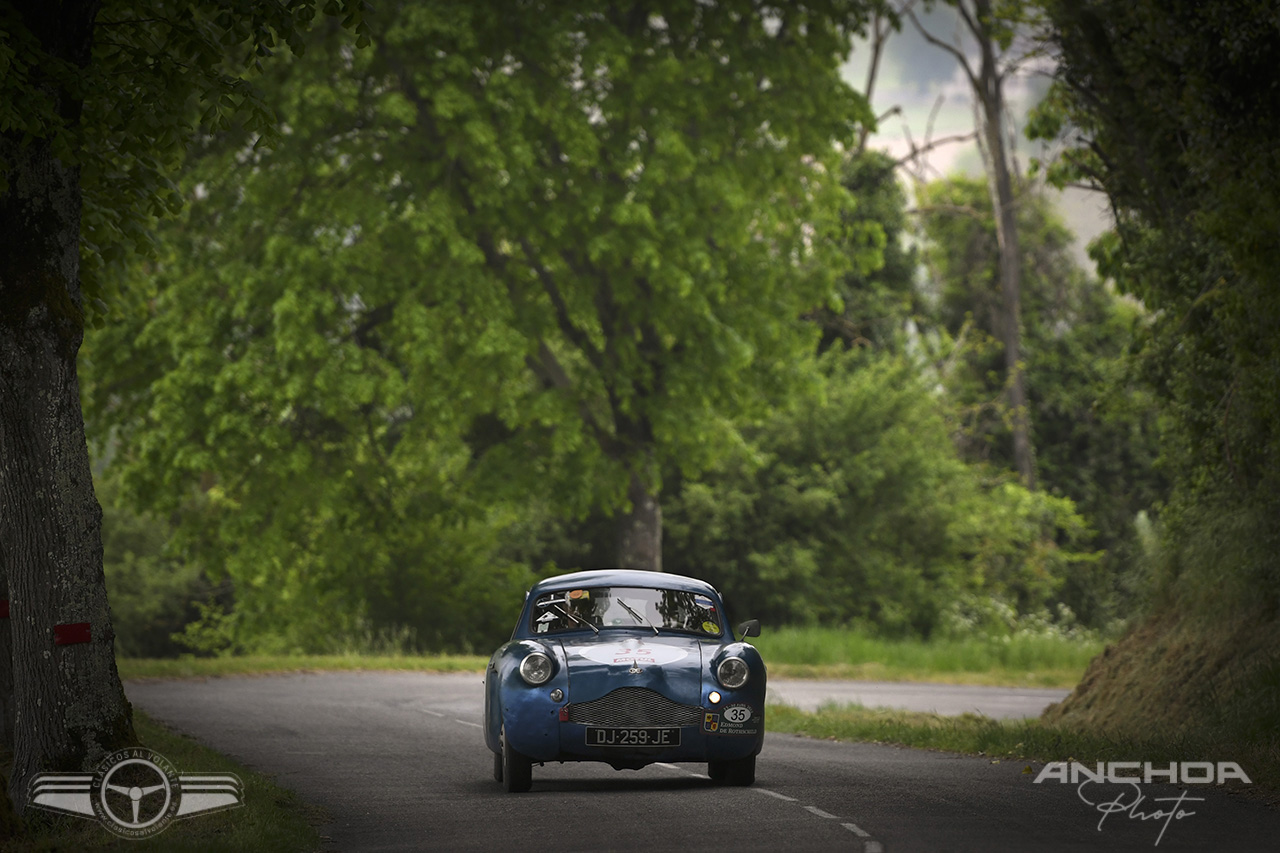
625	607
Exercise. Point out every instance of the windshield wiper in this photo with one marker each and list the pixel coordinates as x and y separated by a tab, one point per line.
638	616
569	615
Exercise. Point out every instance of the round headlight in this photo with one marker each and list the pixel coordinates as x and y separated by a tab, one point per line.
535	668
732	672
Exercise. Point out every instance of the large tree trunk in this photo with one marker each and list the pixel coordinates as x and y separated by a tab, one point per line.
6	657
69	706
991	100
640	529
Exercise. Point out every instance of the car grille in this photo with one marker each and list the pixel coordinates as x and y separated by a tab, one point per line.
634	706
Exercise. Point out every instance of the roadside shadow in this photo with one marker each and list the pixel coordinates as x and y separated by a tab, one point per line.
585	783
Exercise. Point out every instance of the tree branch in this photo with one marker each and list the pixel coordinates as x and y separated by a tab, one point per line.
951	49
563	319
947	208
877	47
546	366
917	150
978	32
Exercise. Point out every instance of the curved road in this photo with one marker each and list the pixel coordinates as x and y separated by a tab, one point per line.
1001	703
399	763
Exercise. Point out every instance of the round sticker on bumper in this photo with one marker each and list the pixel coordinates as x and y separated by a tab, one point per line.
739	720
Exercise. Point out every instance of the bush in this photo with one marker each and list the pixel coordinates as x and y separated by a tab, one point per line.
152	595
854	508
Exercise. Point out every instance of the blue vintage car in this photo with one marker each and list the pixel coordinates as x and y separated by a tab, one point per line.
628	668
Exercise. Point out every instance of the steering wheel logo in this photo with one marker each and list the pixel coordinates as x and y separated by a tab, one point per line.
135	792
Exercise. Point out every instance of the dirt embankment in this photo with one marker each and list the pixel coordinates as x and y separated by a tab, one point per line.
1192	680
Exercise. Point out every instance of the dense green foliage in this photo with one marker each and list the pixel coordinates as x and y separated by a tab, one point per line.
162	72
1093	421
494	261
154	594
98	101
854	506
1176	102
387	370
873	303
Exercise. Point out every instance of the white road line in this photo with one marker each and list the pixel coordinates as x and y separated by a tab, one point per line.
819	812
774	794
466	723
873	847
677	769
432	713
856	830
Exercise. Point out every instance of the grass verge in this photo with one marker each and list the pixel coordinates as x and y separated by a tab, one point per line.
271	819
1018	661
269	664
192	667
875	671
1018	740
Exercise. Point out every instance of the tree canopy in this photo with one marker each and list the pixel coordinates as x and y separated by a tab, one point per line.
855	507
96	104
1093	419
1168	108
541	255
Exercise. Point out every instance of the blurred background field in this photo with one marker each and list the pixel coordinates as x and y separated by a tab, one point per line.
1013	660
796	652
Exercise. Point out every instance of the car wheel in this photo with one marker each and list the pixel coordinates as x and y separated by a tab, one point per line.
740	772
517	769
497	767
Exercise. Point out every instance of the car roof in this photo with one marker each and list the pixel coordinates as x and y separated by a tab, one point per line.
623	577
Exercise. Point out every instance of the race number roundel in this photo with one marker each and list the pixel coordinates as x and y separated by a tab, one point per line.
640	653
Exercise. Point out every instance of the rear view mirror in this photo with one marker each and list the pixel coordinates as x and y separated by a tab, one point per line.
750	628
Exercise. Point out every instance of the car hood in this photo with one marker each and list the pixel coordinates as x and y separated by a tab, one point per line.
669	663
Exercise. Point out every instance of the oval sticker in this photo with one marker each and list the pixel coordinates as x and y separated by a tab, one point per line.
642	653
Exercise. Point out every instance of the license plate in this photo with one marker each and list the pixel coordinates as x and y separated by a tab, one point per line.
669	736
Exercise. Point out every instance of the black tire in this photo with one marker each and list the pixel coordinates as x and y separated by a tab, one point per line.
517	769
740	772
497	767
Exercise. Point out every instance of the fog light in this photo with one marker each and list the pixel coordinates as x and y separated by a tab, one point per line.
557	695
714	697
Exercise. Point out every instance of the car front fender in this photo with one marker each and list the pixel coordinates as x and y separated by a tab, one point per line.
526	713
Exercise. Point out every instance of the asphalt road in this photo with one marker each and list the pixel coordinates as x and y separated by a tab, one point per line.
399	763
951	699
